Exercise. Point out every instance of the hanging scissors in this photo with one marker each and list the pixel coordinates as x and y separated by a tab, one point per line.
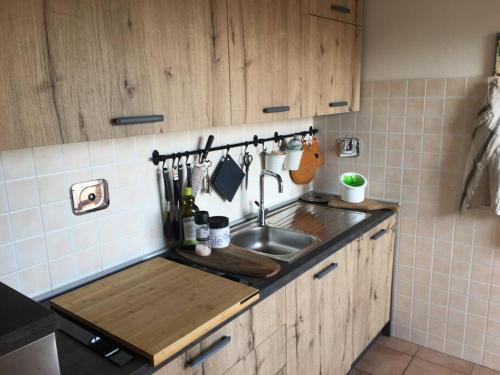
247	160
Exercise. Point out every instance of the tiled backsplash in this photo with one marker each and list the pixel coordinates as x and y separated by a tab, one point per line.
415	136
43	246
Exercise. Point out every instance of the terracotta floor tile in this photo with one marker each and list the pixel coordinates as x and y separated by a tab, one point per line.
380	360
398	344
420	367
445	360
480	370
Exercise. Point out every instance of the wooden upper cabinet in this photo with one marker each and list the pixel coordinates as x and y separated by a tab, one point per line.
115	58
350	11
264	55
331	67
29	117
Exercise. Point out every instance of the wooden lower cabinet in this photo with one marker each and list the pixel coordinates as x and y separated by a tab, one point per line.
249	332
269	358
372	272
317	324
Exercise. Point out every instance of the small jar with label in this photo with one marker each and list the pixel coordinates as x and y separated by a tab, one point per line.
220	235
202	228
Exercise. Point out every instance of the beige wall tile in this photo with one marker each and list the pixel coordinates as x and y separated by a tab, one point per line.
433	125
394	158
415	106
434	106
380	106
398	88
455	86
454	106
443	267
416	87
431	143
363	122
477	307
479	290
430	160
396	123
459	303
381	89
414	125
492	344
366	89
379	124
454	332
439	297
397	106
494	312
413	142
435	87
395	141
436	343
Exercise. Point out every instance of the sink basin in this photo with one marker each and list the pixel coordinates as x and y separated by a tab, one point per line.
278	243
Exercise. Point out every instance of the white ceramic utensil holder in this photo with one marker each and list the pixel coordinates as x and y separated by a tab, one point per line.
292	159
274	162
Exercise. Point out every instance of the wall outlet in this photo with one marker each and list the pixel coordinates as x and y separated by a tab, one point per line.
89	196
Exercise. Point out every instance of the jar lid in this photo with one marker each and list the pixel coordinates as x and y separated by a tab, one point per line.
218	222
201	217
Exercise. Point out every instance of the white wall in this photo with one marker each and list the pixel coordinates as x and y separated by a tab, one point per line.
44	247
429	38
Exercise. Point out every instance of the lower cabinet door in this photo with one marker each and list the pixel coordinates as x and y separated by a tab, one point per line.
372	271
239	339
318	310
269	358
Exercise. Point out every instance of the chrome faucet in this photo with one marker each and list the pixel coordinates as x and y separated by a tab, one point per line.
262	209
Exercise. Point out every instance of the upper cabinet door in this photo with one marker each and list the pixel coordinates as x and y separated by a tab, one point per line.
350	11
331	67
115	58
29	117
264	50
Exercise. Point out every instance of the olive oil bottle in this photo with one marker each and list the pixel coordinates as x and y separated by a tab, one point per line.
188	211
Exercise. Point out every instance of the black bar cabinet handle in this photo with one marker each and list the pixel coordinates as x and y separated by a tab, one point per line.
136	120
325	271
341	9
284	108
338	104
379	234
221	343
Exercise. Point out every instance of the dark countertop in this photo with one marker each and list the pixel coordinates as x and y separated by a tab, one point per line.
75	358
22	320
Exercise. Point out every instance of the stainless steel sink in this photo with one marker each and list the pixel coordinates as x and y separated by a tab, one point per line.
278	243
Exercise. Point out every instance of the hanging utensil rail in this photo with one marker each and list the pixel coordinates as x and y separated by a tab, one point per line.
156	157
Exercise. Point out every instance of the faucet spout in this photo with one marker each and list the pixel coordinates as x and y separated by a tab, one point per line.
262	209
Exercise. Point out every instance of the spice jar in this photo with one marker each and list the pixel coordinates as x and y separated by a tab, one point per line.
220	235
202	228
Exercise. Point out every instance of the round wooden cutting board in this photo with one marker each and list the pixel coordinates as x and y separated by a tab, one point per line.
312	159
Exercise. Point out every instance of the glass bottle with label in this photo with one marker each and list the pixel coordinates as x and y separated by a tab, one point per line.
188	212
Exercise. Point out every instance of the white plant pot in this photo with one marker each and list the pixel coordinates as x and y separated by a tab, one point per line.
274	162
349	192
292	160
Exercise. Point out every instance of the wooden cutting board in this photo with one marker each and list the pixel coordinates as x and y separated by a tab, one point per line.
158	307
235	260
312	159
367	205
